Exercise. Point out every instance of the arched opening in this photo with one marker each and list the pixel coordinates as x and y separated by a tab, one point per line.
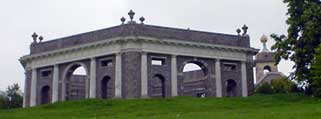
76	84
45	95
194	79
158	87
104	87
230	88
266	69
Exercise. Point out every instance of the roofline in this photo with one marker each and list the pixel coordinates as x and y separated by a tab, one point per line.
173	28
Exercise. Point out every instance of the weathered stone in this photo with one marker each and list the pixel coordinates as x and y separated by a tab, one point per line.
123	56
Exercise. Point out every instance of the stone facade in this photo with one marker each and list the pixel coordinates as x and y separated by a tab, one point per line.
138	61
154	71
103	72
131	78
261	66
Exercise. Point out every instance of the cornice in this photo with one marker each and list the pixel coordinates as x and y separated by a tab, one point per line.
140	39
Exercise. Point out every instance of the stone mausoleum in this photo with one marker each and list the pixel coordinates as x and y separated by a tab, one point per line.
136	60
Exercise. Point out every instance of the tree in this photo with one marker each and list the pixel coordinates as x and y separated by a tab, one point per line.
316	73
2	100
13	98
304	35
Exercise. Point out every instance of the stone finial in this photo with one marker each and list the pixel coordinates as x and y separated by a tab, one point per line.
142	19
122	20
34	37
263	40
245	28
238	31
40	39
131	14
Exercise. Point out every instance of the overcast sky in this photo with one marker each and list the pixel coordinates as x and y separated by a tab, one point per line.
60	18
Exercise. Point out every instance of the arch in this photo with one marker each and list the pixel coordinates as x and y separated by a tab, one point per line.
266	69
191	67
201	65
80	71
45	95
231	88
158	86
73	67
194	81
75	86
104	87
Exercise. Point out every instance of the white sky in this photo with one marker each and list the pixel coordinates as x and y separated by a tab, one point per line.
60	18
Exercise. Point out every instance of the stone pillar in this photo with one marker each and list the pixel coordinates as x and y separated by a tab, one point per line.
118	77
244	80
63	89
92	86
174	75
218	78
144	79
33	90
55	84
24	105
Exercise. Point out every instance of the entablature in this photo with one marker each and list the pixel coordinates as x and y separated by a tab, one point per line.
146	44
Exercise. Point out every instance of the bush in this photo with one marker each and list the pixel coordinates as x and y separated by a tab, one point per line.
283	85
264	88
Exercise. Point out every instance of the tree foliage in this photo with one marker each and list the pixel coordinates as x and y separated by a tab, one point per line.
2	100
12	98
316	73
304	35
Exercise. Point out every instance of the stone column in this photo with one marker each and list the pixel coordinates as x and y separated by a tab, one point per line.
218	78
25	91
92	86
174	75
63	89
144	79
244	79
55	84
118	77
33	90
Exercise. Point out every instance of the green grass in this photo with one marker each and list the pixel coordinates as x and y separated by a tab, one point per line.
279	106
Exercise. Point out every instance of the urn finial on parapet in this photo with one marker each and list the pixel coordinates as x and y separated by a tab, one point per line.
245	28
238	31
34	37
122	20
40	39
131	14
142	19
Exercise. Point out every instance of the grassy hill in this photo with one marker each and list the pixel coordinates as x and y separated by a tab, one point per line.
280	106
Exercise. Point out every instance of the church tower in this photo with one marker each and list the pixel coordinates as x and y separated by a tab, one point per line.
264	62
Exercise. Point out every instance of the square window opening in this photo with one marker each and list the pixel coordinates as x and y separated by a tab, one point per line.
158	61
46	74
229	67
106	63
